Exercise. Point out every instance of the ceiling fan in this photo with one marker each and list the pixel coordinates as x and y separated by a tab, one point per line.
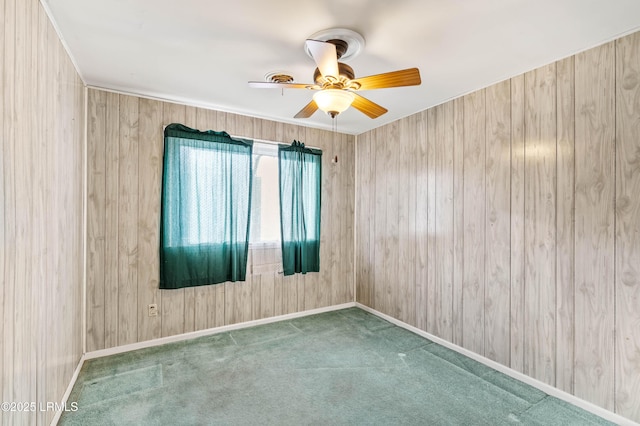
335	82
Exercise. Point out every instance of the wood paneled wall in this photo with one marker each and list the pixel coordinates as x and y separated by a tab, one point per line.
41	212
508	222
125	144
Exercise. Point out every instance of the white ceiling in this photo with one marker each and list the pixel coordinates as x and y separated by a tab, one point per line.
203	52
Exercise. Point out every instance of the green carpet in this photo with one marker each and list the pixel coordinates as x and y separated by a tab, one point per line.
346	367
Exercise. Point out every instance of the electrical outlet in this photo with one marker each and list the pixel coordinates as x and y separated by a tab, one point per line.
153	310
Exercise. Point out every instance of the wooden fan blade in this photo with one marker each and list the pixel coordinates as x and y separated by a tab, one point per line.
308	110
367	107
325	56
408	77
269	85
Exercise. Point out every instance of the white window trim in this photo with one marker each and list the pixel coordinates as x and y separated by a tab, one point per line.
264	245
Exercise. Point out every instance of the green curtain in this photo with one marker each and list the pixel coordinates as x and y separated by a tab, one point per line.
206	200
300	171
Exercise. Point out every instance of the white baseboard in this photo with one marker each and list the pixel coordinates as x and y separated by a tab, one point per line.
65	397
185	336
211	331
548	389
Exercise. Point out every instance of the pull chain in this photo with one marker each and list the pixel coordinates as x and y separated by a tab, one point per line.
334	125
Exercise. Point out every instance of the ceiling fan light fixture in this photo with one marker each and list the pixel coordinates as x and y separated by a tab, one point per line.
333	101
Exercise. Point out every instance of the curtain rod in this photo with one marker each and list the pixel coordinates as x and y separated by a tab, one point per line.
270	142
164	126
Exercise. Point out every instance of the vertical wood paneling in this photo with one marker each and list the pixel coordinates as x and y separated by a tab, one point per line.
564	225
54	104
594	228
443	204
290	294
256	294
402	189
40	319
4	222
406	223
41	216
53	153
409	139
458	220
540	221
267	302
380	221
150	152
48	383
96	184
430	219
544	223
517	336
112	132
232	291
22	346
335	174
346	229
347	224
497	296
627	282
390	276
128	221
256	297
444	218
131	226
474	220
372	223
363	207
337	190
16	291
421	219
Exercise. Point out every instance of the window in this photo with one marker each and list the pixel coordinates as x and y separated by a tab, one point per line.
206	193
220	193
265	198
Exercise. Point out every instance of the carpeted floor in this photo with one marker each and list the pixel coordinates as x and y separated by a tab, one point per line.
346	367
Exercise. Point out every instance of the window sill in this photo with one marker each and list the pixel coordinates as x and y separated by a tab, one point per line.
264	245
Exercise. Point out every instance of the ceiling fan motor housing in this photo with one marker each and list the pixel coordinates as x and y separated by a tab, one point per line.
346	72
